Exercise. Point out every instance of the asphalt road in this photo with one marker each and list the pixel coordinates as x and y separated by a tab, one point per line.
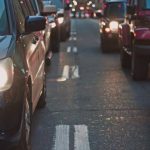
92	104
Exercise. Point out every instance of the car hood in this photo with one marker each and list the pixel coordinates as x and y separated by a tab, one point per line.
5	44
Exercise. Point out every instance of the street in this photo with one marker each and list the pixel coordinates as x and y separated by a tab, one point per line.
92	103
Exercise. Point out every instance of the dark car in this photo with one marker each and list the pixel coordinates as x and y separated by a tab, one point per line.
135	39
22	71
54	21
114	13
64	19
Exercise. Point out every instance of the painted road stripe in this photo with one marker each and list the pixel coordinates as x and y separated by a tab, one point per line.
81	138
75	50
70	39
74	38
65	73
73	33
68	49
75	72
62	138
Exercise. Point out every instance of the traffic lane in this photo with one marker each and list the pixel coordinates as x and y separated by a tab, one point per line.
114	122
107	130
102	76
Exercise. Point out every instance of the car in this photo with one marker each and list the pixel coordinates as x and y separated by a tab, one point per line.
113	14
64	19
46	10
51	15
22	70
135	39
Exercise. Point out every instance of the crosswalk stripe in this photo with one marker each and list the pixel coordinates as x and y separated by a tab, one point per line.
62	138
81	138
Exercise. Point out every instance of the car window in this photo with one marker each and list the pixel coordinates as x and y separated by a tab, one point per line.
32	6
20	18
115	10
3	19
24	8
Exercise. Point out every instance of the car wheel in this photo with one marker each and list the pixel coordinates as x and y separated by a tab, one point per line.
63	35
55	46
104	47
25	143
139	68
125	59
42	101
55	43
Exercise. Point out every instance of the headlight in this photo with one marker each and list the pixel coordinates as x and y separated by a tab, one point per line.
113	25
60	20
6	74
53	24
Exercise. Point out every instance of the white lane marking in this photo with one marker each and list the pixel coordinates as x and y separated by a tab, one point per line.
68	49
74	38
73	33
75	50
62	138
65	73
75	72
70	39
81	138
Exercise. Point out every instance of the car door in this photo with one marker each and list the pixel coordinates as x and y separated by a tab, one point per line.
34	51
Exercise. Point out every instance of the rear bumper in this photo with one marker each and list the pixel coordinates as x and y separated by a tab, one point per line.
110	38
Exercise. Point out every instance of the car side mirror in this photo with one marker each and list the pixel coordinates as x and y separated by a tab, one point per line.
34	23
48	10
131	10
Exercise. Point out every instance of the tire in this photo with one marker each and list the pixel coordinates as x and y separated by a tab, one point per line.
104	48
63	35
125	59
25	142
55	42
47	61
139	68
42	99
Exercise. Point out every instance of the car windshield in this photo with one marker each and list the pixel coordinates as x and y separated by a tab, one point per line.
144	4
115	10
3	18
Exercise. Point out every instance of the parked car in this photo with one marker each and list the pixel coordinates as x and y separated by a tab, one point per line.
46	10
53	20
22	71
113	14
135	38
64	19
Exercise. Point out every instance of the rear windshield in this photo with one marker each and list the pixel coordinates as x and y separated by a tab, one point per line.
144	4
115	10
3	18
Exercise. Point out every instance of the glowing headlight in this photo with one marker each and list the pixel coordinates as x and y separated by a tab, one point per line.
114	26
53	24
60	20
6	74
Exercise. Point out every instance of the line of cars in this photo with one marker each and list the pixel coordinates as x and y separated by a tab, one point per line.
126	25
29	33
